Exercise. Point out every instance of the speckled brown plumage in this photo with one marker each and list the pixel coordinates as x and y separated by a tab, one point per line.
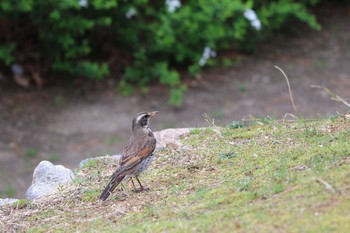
137	154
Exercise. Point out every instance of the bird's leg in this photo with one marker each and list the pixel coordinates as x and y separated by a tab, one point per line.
124	187
132	181
141	187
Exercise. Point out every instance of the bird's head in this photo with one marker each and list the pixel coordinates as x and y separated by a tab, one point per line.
141	121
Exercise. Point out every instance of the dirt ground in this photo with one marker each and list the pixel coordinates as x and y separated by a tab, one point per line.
65	124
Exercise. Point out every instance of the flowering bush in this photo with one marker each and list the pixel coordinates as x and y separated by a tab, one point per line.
148	41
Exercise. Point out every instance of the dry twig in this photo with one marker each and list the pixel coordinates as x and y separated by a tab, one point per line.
328	186
334	96
289	89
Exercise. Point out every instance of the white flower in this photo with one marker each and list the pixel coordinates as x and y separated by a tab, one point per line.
256	24
207	53
253	18
83	3
250	14
131	12
172	5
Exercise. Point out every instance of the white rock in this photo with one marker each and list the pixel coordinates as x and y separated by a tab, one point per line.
7	201
47	178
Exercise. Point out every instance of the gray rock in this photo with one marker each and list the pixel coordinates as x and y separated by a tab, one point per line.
7	201
47	178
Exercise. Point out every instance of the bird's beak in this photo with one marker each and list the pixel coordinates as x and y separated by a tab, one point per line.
151	114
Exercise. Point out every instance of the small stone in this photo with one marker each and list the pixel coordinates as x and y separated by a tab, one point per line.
301	167
347	116
47	178
170	136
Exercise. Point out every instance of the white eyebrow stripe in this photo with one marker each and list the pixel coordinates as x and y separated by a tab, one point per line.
139	117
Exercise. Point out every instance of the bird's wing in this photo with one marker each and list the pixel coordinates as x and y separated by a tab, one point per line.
128	151
132	161
131	151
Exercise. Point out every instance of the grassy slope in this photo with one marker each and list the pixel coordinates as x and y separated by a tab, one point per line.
270	177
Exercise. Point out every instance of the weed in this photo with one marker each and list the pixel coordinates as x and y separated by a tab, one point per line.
111	140
58	100
269	120
91	163
22	203
30	153
54	157
125	89
236	125
244	184
226	62
228	155
90	195
320	63
168	125
242	88
218	114
195	131
9	191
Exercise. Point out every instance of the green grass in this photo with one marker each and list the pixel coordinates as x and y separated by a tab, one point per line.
111	140
8	191
54	157
242	88
58	100
217	114
320	63
269	177
30	153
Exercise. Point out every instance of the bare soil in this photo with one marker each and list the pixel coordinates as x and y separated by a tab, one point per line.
67	123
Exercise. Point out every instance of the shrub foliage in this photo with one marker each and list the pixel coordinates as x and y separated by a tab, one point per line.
144	41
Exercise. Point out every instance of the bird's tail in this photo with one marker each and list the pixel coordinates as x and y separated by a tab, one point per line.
115	181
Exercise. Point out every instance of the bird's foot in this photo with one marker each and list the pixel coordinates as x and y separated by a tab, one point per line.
141	190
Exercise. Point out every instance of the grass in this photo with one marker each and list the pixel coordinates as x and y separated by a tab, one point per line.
270	177
242	88
320	63
58	100
8	191
30	153
217	114
54	157
111	140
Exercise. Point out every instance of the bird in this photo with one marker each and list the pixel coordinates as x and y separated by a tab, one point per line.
137	154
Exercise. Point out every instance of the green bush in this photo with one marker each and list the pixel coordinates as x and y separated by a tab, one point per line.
53	34
152	42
